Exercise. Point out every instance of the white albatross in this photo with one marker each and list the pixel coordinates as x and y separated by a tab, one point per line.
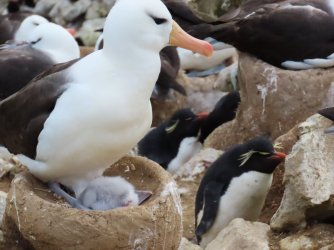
72	122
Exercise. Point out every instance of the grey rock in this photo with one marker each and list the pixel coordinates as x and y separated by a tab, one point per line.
99	9
88	32
65	11
214	8
3	197
43	7
273	101
308	177
3	6
78	8
317	237
240	235
187	245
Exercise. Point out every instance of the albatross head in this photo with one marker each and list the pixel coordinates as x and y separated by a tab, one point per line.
55	41
27	26
146	24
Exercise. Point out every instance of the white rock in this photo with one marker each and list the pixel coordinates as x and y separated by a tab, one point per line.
309	175
3	197
240	235
317	237
99	9
88	32
43	7
227	78
187	245
196	165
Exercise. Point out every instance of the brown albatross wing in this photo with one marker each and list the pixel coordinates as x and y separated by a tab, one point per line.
22	115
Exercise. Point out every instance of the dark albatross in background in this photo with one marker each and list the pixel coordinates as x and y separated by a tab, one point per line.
46	45
292	34
73	121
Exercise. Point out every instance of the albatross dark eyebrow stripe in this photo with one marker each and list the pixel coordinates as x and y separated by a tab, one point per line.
158	20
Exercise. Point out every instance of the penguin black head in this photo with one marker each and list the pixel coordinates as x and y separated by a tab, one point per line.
162	143
184	123
224	111
259	155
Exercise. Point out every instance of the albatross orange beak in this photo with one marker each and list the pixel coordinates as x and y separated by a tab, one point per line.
179	38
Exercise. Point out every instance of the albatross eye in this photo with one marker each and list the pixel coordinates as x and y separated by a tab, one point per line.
158	20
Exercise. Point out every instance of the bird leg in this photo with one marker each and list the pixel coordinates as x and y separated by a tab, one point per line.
55	187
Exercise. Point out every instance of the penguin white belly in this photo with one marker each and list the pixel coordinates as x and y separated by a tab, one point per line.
244	198
86	136
189	146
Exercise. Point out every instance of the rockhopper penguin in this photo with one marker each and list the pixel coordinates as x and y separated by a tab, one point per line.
235	186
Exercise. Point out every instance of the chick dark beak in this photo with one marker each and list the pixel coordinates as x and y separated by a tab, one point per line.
143	195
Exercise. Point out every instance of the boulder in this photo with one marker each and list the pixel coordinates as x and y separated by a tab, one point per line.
43	7
99	9
308	178
187	245
88	33
36	219
3	197
209	9
202	93
241	234
317	237
273	100
3	6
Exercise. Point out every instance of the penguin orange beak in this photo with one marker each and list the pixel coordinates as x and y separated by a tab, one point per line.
179	38
72	31
202	115
279	155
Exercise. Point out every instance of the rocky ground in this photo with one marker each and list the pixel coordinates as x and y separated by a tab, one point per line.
299	210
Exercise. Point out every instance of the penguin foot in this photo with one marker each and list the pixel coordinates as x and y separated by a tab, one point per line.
75	203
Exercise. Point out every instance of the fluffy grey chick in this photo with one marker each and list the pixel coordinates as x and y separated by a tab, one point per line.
105	193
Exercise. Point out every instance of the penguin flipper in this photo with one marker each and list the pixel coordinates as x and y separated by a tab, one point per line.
211	199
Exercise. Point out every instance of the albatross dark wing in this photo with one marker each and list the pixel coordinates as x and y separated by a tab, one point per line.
22	115
295	30
19	64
